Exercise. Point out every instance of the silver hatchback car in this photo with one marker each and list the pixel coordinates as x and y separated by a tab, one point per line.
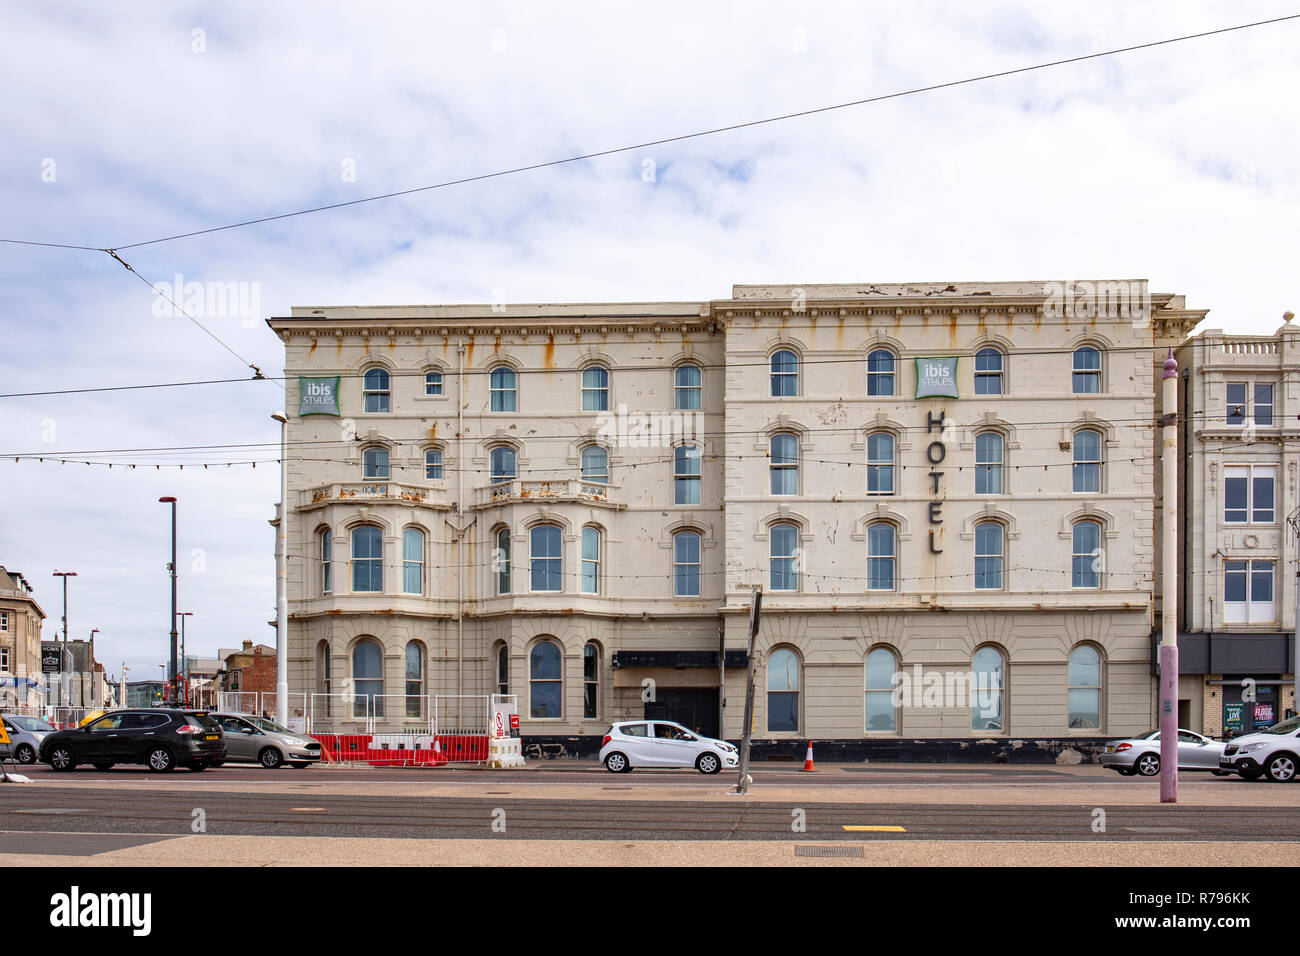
25	736
252	739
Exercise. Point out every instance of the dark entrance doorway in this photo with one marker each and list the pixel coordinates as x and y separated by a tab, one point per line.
696	709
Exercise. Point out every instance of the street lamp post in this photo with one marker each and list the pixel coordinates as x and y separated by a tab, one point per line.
91	665
1169	582
281	588
63	656
171	567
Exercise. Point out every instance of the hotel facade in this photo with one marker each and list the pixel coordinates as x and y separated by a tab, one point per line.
948	494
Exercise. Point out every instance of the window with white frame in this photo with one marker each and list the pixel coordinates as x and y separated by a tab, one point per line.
880	557
4	660
4	620
686	475
783	691
783	464
1085	558
374	463
590	560
590	681
501	561
988	685
502	462
376	388
326	561
1086	379
414	679
881	703
989	544
1249	402
412	561
880	372
687	381
432	383
595	465
367	559
1249	494
1087	474
545	553
988	463
686	564
595	389
988	372
1083	695
880	463
1248	591
545	680
502	389
783	550
785	373
433	464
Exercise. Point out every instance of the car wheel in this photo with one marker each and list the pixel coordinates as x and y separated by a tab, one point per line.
1125	771
103	766
62	758
25	753
617	763
270	758
1281	768
161	759
299	765
1148	765
708	763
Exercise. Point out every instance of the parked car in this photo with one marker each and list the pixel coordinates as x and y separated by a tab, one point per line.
159	738
1275	752
258	740
1141	755
25	736
662	743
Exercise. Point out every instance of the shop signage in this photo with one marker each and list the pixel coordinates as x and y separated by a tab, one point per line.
936	378
318	396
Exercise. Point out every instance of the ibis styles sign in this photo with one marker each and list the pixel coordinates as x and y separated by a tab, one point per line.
936	377
318	396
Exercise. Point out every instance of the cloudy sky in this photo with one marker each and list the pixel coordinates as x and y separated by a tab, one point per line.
1177	164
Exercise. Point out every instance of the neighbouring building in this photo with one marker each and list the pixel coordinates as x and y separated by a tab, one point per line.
21	619
932	482
1240	441
250	670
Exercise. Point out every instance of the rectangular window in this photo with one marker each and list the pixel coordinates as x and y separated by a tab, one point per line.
686	564
1249	403
432	383
4	659
1236	403
1248	589
686	475
1248	494
4	620
1263	409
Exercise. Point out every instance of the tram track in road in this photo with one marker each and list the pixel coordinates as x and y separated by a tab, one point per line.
322	815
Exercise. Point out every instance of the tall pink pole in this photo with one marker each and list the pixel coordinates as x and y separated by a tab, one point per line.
1169	588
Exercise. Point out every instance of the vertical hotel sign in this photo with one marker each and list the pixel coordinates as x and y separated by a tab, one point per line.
936	378
318	396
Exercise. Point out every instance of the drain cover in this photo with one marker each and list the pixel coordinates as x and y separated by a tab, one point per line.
833	850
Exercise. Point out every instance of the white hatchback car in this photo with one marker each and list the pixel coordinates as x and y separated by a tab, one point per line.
1275	751
662	743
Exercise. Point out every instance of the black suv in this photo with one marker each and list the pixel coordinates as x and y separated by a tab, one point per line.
159	737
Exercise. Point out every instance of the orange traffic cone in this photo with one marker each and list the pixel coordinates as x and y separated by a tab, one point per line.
808	760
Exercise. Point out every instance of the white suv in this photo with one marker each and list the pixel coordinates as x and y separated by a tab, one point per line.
1275	752
662	743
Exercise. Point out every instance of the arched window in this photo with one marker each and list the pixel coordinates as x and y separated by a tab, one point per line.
367	680
590	560
502	461
545	554
1087	371
412	561
783	691
1086	557
367	559
686	475
433	464
503	670
545	680
988	463
880	372
988	556
783	550
880	464
687	382
501	561
686	564
374	462
376	389
595	389
414	679
784	464
501	387
785	373
1085	688
880	557
988	685
432	383
988	372
1087	462
590	681
595	465
881	709
326	561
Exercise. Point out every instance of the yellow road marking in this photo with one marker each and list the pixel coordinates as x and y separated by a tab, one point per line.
878	829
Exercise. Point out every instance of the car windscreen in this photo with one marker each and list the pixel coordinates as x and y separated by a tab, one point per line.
1289	726
31	723
268	726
